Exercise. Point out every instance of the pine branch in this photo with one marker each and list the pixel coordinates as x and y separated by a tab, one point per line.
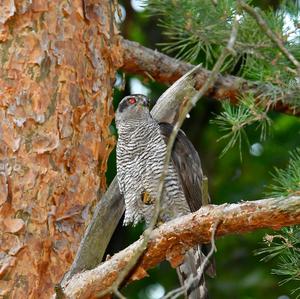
284	249
267	30
165	69
171	240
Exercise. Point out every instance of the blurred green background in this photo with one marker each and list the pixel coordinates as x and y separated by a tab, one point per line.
240	274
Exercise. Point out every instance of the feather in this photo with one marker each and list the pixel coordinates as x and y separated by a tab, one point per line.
188	166
187	163
141	150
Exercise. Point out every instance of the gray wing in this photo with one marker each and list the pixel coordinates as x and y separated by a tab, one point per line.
187	163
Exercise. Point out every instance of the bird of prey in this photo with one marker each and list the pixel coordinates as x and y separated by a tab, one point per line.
141	151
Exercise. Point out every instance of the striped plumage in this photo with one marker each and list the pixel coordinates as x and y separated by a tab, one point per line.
141	150
140	153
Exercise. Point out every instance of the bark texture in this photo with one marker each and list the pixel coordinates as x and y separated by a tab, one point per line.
171	240
165	69
57	66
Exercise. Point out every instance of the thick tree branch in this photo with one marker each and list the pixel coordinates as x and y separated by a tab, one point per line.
171	240
98	234
165	69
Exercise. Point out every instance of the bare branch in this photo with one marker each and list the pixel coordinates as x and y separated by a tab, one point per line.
176	237
165	69
98	234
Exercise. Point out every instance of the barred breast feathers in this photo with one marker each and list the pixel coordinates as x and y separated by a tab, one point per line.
140	155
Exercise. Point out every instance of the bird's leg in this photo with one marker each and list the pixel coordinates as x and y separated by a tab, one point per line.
146	198
159	223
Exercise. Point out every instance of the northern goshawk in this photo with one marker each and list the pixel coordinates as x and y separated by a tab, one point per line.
141	151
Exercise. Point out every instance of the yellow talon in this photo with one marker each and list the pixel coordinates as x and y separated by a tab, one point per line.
159	223
147	200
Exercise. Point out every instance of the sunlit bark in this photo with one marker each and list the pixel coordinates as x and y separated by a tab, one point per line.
57	67
171	240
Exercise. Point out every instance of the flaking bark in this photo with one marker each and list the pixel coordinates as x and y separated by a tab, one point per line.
171	240
57	67
165	69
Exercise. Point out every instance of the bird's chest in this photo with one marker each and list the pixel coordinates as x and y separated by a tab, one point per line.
140	155
140	162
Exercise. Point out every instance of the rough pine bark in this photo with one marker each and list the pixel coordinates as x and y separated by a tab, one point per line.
57	66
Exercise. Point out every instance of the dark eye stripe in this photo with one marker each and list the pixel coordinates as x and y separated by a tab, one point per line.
123	105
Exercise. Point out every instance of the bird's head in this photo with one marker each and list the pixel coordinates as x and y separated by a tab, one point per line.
133	108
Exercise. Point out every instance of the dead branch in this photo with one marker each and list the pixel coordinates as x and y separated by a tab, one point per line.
98	233
171	240
165	69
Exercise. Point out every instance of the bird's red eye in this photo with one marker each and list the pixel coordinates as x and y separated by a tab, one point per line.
131	101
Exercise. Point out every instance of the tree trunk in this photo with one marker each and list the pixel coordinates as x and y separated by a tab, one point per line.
58	60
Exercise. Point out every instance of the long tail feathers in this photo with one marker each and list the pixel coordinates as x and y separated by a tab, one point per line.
189	269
